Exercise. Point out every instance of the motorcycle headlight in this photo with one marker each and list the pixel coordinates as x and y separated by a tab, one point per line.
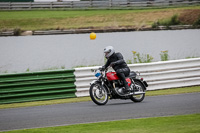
97	74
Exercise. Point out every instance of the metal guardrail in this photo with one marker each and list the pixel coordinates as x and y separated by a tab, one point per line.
159	75
25	87
92	4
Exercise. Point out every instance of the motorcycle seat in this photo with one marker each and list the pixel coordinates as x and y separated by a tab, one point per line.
132	75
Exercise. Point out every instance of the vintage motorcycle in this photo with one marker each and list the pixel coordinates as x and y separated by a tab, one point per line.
108	85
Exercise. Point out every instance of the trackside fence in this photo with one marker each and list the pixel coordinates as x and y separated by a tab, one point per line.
26	87
159	75
94	4
46	85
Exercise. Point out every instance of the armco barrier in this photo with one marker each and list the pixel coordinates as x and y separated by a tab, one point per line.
159	75
24	87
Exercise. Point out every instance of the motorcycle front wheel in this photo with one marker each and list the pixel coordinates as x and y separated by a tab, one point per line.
139	88
98	94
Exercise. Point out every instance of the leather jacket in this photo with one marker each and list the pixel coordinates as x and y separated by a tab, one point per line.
116	61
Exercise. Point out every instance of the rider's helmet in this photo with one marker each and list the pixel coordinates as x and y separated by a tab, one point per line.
109	50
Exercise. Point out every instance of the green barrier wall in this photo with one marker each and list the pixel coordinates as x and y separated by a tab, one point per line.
25	87
16	0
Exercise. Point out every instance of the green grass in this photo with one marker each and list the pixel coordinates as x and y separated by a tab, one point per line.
60	19
172	21
174	91
4	15
82	99
171	124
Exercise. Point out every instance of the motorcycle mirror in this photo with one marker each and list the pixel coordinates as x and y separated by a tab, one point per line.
92	70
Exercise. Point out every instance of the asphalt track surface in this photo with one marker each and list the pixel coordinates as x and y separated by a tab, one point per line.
87	112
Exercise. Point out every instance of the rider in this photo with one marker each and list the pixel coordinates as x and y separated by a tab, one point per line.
116	61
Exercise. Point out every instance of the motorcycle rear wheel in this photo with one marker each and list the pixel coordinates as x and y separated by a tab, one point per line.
139	88
98	94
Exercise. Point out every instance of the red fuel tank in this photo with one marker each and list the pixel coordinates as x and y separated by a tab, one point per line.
113	76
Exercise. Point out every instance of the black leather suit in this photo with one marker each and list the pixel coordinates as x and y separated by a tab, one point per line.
119	65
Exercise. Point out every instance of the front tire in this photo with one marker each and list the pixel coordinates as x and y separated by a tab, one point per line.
138	88
98	94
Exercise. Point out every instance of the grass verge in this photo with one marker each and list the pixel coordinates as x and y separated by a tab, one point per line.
74	19
82	99
170	124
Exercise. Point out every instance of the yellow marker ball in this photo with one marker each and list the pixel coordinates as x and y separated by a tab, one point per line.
92	36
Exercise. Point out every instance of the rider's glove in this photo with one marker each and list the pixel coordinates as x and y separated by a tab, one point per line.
102	68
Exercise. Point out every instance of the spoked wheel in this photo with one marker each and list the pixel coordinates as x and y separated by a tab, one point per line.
139	92
98	94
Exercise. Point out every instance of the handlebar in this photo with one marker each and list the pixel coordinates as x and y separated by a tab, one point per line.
104	69
100	68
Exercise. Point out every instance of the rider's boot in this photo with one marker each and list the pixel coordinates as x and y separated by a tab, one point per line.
127	88
123	78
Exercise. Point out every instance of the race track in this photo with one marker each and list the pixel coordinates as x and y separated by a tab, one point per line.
86	112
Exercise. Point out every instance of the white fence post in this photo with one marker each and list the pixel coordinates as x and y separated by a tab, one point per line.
51	5
30	6
110	3
72	4
128	3
10	4
91	4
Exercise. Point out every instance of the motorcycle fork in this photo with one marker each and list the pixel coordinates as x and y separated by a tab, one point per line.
106	87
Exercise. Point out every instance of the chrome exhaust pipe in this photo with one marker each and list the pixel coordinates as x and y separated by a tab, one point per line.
138	93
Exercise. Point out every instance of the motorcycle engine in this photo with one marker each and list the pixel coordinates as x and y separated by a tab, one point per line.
120	90
118	87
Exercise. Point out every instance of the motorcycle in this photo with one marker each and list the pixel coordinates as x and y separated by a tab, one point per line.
108	85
